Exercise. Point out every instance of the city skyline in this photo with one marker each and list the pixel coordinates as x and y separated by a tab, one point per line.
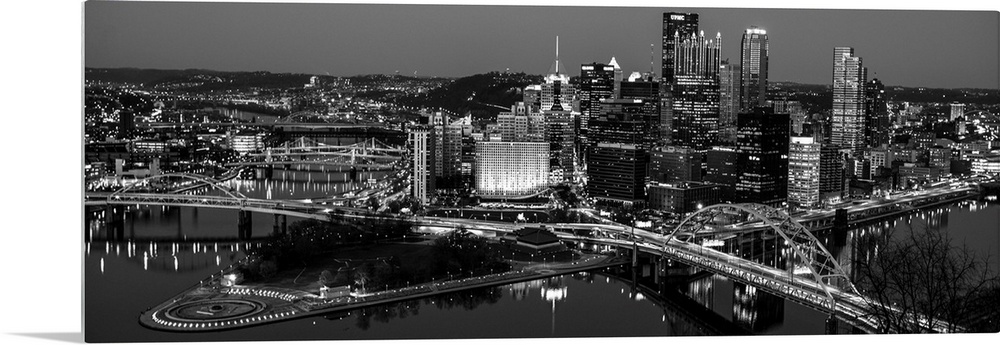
314	39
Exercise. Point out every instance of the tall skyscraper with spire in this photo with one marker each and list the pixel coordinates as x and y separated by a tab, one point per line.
557	101
675	24
848	125
753	62
557	93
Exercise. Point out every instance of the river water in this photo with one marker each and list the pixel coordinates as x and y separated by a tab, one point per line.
170	249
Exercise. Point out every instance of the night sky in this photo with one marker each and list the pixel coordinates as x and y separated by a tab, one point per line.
912	48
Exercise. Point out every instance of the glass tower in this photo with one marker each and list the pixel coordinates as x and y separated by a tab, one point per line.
848	125
675	24
753	59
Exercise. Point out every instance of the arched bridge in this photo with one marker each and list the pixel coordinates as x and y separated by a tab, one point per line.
230	198
805	271
811	276
371	154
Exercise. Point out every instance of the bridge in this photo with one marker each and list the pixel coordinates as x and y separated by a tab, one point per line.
806	272
811	277
878	209
368	154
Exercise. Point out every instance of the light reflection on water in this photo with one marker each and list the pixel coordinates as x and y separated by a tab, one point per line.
164	257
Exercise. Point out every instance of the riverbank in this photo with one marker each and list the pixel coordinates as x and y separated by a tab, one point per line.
212	307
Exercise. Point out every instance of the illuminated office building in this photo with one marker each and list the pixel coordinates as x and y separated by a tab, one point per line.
422	142
803	173
645	88
957	110
511	169
695	92
729	100
753	64
617	173
675	24
597	83
848	122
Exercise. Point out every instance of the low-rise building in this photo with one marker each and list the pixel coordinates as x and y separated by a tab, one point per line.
683	197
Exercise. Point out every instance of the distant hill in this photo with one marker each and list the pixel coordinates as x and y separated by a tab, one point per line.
482	94
897	93
196	79
138	75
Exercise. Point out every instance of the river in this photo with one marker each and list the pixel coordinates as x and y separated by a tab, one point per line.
123	279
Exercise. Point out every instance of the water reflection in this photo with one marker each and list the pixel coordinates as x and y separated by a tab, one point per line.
127	275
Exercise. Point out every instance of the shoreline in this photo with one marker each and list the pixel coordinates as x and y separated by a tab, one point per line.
268	305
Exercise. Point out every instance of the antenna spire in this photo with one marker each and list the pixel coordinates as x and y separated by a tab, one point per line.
557	54
650	58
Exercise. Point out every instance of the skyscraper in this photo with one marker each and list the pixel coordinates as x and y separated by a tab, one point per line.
753	64
675	24
617	173
722	170
957	110
803	172
557	93
557	103
729	100
616	157
647	89
848	125
620	121
833	172
674	164
695	91
422	143
877	118
762	157
597	83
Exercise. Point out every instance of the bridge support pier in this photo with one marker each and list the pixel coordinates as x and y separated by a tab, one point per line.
266	172
244	224
661	270
280	224
832	324
840	227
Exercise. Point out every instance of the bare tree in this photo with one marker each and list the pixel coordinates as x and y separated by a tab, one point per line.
921	282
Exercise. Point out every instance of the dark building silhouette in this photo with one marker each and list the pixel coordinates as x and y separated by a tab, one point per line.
597	83
762	157
683	197
832	171
646	89
617	173
674	164
722	170
877	118
620	121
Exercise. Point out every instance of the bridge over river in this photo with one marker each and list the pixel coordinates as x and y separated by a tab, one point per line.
809	275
